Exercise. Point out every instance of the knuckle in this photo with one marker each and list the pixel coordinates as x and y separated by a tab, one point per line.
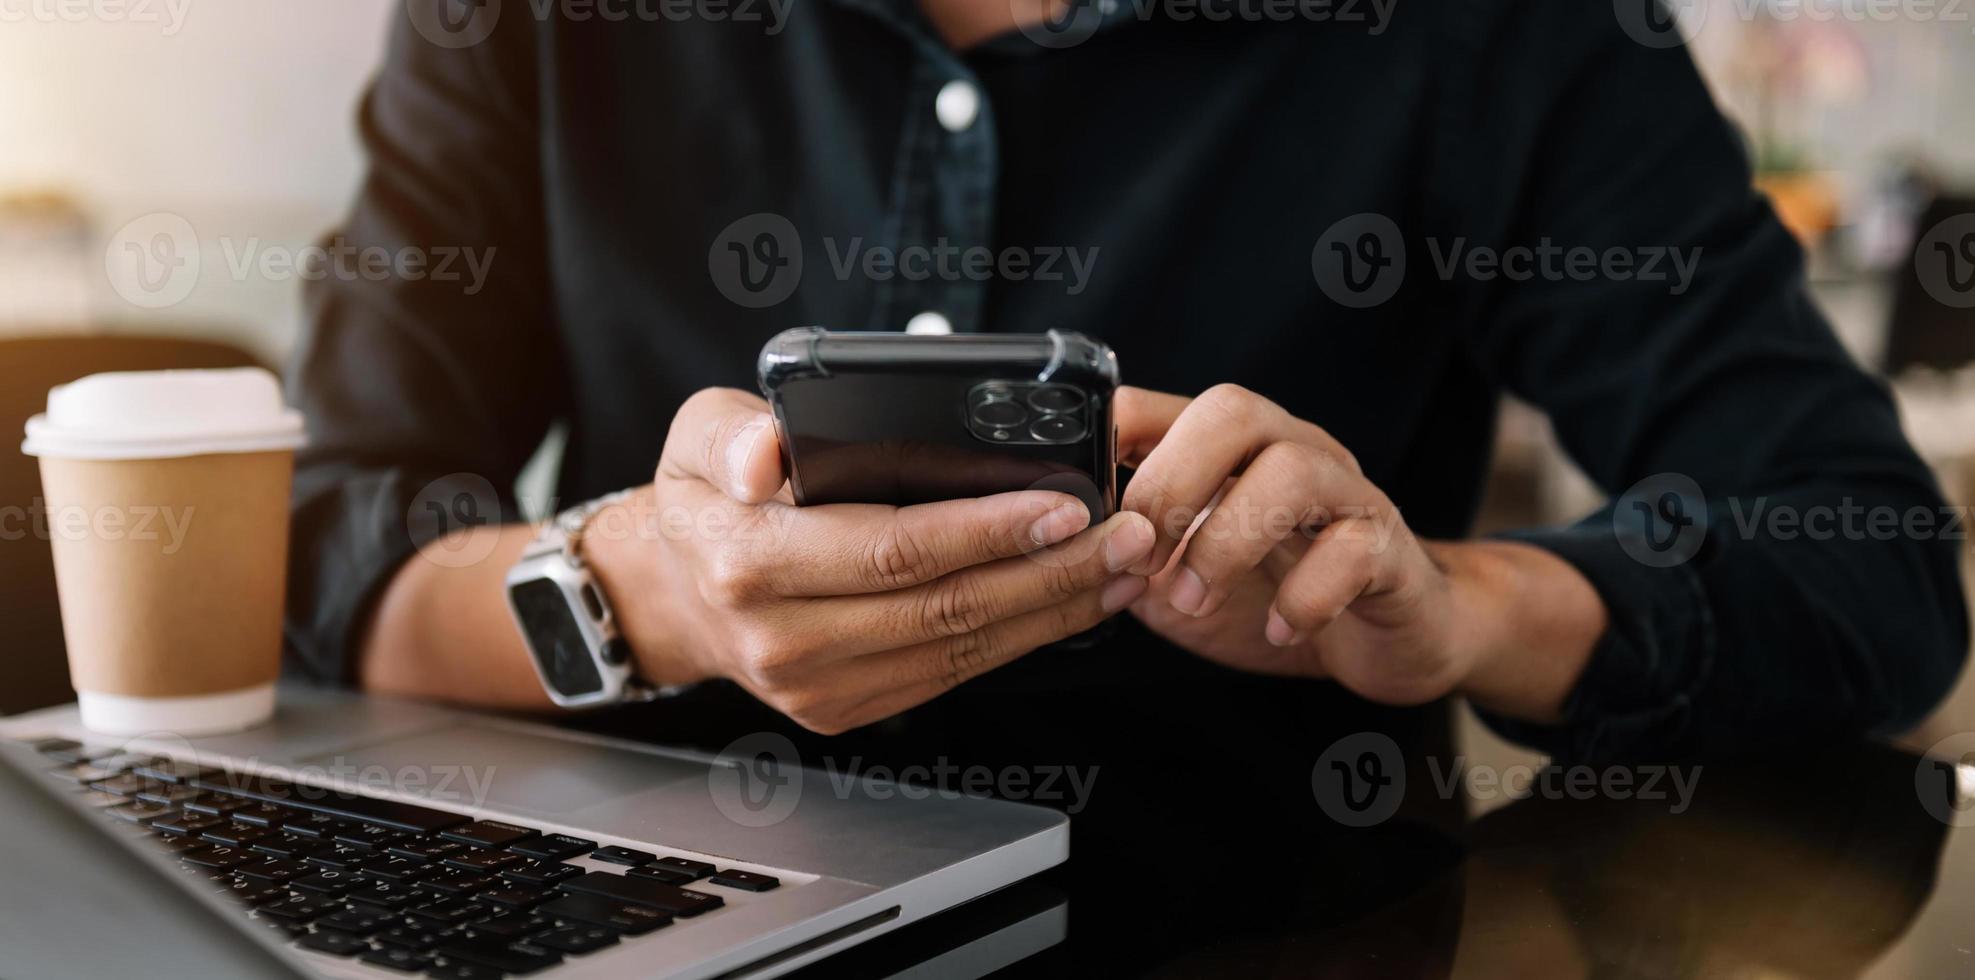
963	656
1065	580
1233	402
769	661
956	606
898	555
733	580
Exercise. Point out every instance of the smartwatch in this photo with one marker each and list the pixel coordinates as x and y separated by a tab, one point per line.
567	622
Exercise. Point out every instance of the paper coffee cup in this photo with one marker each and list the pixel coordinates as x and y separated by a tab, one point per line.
167	499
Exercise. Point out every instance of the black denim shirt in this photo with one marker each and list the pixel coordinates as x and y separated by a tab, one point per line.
1383	224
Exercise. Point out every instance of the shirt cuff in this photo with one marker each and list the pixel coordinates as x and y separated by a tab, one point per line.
1635	697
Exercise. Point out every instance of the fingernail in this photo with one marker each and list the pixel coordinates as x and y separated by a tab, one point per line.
1059	524
1189	592
1126	545
739	451
1279	632
1121	592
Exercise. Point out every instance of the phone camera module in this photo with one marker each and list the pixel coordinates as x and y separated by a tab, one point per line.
1057	429
1054	399
1000	414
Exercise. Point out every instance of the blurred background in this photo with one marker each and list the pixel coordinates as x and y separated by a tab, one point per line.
227	127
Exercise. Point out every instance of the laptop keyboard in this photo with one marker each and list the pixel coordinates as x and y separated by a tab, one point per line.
404	888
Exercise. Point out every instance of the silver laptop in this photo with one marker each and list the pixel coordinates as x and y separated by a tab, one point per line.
363	837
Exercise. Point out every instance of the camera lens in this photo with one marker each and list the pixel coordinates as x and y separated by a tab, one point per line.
1053	398
1058	428
1000	414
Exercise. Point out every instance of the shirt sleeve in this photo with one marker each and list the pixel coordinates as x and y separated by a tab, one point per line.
428	384
1757	595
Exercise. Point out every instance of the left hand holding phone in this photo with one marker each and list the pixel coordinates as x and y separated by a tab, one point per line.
840	615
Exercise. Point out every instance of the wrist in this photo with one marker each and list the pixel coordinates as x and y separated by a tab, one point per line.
1526	622
621	544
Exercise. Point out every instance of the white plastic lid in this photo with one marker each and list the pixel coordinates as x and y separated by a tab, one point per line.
160	414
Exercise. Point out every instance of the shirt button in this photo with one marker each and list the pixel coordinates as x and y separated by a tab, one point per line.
957	105
929	324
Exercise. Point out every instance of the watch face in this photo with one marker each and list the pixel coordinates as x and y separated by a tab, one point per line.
556	638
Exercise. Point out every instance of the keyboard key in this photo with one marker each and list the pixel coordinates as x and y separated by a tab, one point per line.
516	896
623	855
59	749
126	785
225	858
449	911
167	794
142	813
264	815
357	923
174	771
746	880
345	856
453	881
698	869
389	895
81	772
300	907
678	901
632	920
501	954
515	925
456	970
407	817
426	849
541	873
290	847
484	860
216	804
577	939
666	875
414	937
334	943
396	867
186	824
327	882
118	761
324	826
253	892
488	833
233	835
272	869
372	836
408	960
553	847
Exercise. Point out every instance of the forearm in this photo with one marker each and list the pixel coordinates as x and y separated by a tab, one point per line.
442	628
1530	620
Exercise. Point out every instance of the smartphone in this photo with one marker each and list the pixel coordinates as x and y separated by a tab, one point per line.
896	418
